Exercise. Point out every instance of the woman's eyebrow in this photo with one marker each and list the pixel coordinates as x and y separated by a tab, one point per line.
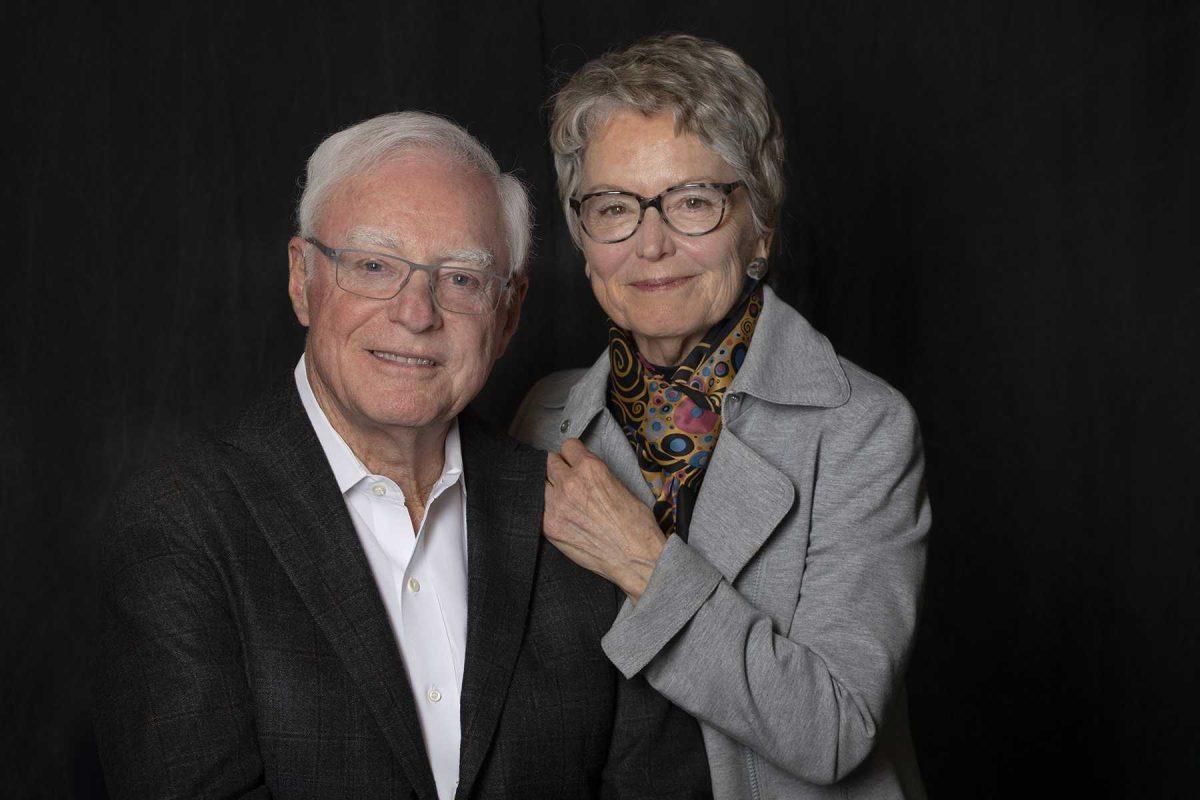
609	187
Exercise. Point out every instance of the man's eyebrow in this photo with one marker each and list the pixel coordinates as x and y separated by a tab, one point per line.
482	259
476	257
361	235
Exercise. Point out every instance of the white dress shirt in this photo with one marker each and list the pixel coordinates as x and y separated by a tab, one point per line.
422	576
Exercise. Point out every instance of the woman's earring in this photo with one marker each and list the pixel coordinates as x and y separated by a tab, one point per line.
756	268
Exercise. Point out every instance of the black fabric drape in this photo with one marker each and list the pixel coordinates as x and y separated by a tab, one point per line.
991	205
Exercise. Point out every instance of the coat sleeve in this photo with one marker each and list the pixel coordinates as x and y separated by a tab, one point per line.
813	700
172	705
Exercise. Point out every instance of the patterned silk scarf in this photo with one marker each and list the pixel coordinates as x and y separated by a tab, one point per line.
672	415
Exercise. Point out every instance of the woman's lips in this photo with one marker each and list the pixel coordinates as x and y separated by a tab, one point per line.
661	284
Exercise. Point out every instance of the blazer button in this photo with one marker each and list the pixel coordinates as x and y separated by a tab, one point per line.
566	423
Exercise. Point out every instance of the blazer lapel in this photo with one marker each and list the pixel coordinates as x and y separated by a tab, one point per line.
504	523
286	483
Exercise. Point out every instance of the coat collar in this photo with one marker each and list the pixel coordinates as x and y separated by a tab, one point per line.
789	363
792	364
283	477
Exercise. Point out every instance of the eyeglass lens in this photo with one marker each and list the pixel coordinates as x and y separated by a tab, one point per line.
374	275
691	210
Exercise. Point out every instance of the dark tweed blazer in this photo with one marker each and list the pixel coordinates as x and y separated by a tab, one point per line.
246	651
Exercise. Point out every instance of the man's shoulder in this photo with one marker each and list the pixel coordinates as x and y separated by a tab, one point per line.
196	475
537	419
194	464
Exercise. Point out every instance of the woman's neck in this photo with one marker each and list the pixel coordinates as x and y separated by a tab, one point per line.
668	351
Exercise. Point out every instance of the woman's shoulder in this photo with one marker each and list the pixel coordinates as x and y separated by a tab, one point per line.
537	419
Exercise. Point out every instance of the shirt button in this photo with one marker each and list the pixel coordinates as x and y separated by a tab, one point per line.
414	585
379	489
434	695
566	423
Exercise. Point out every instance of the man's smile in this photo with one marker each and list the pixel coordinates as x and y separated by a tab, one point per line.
405	359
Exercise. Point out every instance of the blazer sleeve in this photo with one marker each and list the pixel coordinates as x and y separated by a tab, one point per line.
657	750
172	705
813	700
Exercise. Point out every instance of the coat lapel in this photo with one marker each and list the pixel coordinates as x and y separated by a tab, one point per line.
586	417
730	525
744	497
286	483
505	496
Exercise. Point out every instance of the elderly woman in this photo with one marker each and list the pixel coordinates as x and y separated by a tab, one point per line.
757	498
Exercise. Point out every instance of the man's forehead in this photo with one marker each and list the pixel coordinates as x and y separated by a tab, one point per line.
426	178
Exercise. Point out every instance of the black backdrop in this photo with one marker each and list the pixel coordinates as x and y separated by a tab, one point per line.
992	206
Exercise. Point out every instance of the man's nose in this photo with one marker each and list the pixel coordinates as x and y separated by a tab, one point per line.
654	239
413	307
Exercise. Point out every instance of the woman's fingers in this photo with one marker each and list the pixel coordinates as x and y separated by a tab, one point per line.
574	452
556	469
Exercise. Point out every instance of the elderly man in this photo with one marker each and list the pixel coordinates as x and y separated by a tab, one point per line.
347	594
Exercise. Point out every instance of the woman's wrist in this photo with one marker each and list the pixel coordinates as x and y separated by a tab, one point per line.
639	567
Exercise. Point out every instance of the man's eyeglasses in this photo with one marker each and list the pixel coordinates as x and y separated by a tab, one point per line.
382	276
692	209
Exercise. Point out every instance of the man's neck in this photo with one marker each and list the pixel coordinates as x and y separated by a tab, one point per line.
412	457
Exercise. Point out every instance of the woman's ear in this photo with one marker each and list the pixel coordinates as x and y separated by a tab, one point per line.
763	250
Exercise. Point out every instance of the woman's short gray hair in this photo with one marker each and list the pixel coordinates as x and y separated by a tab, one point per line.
360	147
712	92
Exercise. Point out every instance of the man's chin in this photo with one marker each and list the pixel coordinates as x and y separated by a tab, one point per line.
412	418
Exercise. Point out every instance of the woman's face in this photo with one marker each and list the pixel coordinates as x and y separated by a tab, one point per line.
666	288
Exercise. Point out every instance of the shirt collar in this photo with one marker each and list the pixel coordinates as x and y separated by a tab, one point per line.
348	470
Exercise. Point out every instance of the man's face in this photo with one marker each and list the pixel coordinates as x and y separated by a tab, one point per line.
378	365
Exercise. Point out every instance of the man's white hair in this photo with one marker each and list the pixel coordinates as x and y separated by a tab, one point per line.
360	147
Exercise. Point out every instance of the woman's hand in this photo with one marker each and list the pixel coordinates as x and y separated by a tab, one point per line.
594	520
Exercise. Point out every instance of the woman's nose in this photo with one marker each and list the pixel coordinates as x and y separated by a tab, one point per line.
654	237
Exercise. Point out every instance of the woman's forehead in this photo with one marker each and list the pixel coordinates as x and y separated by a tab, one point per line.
645	153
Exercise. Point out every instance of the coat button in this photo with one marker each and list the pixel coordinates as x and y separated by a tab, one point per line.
566	423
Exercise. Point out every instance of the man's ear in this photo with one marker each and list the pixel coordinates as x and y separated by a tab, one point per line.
510	312
298	278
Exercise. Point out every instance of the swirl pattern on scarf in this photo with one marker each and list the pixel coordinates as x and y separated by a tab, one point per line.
672	415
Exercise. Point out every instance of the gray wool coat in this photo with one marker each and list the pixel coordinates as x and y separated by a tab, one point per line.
784	622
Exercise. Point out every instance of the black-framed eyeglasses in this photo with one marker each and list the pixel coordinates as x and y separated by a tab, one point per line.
692	209
382	276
